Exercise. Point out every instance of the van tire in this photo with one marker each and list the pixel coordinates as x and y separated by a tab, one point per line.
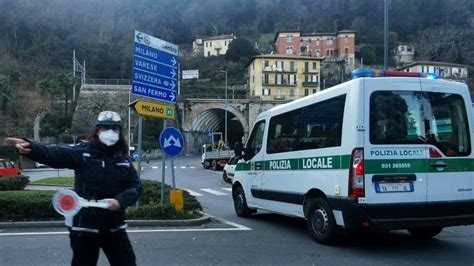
240	203
321	223
425	232
226	178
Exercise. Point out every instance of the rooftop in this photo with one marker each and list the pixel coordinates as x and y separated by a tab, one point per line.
431	63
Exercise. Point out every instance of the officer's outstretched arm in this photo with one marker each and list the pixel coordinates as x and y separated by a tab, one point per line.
54	156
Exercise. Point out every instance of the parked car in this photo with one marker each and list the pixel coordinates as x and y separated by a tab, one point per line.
7	168
229	169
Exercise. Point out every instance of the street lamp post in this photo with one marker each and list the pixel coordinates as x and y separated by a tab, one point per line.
225	113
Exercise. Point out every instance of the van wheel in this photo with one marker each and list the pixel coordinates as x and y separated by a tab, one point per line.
240	204
425	232
321	222
225	177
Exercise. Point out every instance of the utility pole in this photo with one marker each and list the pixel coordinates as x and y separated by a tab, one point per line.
74	74
77	67
225	114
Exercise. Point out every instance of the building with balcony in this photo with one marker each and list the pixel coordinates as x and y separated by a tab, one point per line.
404	54
283	77
330	46
445	70
213	46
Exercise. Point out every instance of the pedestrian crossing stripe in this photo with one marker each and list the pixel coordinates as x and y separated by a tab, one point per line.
182	167
212	191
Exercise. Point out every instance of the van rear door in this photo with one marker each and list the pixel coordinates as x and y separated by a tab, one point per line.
449	168
394	145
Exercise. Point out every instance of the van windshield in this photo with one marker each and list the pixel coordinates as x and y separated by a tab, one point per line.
414	117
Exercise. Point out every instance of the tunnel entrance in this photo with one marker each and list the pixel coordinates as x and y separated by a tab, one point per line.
213	120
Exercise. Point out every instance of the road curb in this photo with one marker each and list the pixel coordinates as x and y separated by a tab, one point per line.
131	223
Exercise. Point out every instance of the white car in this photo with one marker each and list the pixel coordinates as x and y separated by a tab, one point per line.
229	169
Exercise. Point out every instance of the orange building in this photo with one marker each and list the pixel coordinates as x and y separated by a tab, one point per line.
332	46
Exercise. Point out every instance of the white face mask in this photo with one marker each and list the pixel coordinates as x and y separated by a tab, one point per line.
108	137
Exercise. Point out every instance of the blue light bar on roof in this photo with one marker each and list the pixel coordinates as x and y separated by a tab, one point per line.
371	72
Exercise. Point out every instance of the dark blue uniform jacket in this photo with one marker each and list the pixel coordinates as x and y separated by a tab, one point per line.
100	172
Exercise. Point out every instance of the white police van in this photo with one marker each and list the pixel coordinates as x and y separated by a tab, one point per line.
373	153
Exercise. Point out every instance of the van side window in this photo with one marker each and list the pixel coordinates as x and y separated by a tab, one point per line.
321	125
283	132
254	144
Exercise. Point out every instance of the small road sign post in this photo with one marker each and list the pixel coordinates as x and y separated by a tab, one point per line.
172	144
156	77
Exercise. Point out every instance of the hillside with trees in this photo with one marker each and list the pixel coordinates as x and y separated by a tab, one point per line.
37	39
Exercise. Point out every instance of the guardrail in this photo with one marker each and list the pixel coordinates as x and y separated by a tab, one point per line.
230	94
214	96
108	82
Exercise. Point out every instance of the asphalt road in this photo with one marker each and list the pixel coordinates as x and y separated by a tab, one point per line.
264	239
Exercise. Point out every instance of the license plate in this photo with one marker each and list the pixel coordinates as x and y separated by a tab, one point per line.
394	187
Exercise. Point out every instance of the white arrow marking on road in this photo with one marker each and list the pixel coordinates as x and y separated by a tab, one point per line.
172	141
212	191
173	61
192	193
173	74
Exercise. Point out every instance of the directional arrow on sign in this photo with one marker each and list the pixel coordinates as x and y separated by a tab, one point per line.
173	61
172	97
139	37
172	141
172	85
153	109
173	73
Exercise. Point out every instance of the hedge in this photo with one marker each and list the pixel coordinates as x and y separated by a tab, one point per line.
16	182
27	205
32	205
151	208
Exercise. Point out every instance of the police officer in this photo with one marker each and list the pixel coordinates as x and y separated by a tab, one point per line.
102	170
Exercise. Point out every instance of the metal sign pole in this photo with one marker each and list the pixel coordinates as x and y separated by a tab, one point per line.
139	148
172	172
163	170
128	127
